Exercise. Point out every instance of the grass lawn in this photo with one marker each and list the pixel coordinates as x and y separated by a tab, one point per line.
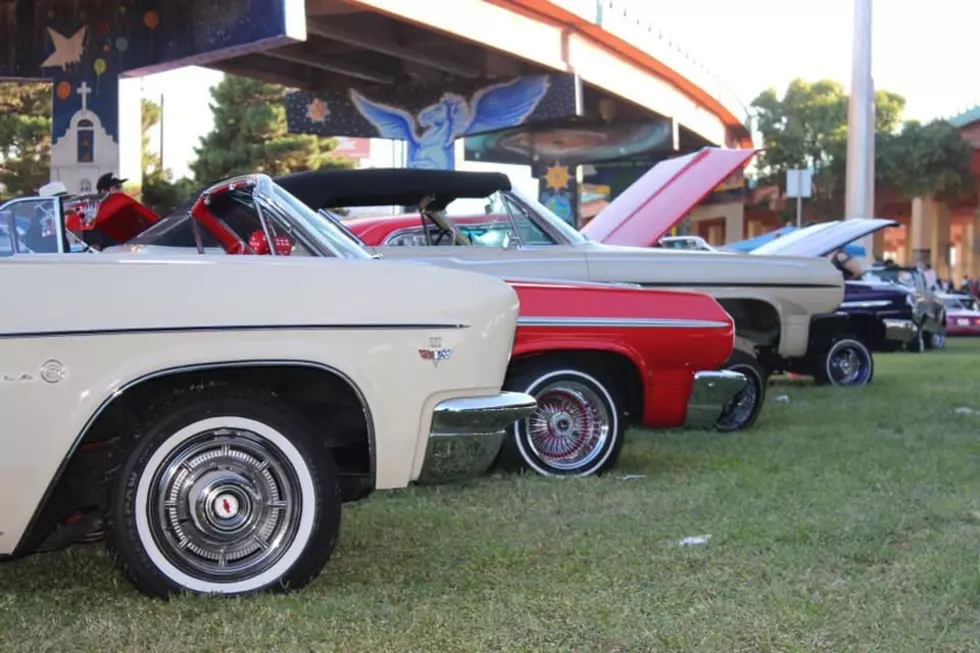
847	520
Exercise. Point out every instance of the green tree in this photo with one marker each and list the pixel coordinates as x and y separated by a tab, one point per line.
807	128
25	137
250	135
159	191
925	160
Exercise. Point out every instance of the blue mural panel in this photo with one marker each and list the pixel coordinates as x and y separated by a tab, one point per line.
84	46
431	117
572	145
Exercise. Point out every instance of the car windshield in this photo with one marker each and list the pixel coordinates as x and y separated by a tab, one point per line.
336	238
238	215
890	275
570	234
960	303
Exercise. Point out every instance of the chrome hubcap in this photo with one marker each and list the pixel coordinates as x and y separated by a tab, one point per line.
570	427
224	505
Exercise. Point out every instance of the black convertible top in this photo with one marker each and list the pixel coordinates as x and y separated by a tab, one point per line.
331	188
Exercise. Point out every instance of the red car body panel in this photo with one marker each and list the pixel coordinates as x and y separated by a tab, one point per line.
556	317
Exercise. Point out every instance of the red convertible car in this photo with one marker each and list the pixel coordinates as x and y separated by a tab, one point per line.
595	356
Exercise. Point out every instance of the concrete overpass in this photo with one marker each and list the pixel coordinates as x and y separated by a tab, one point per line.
389	42
604	78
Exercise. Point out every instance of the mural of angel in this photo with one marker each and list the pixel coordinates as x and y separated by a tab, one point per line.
493	107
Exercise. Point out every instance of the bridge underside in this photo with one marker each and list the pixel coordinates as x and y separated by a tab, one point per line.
348	45
506	85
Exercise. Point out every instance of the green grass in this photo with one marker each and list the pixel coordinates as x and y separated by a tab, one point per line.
847	520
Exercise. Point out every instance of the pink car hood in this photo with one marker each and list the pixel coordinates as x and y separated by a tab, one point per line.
658	200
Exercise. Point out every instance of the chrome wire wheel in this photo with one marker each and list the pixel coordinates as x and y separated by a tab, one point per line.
849	363
571	426
223	506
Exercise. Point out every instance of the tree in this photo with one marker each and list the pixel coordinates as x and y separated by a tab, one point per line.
250	135
25	137
807	128
159	191
926	160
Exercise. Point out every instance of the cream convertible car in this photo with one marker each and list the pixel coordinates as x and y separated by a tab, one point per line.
210	420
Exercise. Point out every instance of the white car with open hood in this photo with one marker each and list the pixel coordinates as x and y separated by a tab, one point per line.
783	307
230	415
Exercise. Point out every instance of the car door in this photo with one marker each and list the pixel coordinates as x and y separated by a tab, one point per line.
925	304
33	225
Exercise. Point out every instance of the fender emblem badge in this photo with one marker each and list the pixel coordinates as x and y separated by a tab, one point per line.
435	352
53	371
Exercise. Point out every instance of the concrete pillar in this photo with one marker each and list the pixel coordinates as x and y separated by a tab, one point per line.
920	226
734	222
940	239
878	245
967	257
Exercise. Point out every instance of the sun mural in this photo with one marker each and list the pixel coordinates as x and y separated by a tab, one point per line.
557	177
317	111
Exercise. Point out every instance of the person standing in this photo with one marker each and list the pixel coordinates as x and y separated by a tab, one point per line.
109	183
932	281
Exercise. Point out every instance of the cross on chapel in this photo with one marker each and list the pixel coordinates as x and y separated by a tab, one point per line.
84	91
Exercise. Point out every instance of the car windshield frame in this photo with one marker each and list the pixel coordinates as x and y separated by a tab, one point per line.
549	221
327	233
324	237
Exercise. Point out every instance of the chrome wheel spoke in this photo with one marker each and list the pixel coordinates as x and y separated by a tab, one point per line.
571	426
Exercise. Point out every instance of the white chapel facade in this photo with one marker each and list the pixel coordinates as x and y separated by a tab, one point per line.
84	152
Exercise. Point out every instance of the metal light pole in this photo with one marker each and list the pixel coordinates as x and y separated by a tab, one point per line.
860	184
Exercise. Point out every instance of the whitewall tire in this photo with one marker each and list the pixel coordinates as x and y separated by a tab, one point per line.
222	494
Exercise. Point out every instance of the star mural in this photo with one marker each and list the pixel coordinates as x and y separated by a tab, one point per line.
67	51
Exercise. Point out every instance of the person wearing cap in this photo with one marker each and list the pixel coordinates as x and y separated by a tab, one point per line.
110	183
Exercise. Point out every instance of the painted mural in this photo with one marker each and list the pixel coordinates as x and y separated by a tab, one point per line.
83	48
558	189
430	118
573	145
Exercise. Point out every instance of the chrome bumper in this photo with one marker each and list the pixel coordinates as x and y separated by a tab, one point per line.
711	393
900	330
466	434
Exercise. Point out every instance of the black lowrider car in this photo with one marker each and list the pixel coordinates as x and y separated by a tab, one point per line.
889	307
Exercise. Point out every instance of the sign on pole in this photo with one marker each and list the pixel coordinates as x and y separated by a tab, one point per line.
799	184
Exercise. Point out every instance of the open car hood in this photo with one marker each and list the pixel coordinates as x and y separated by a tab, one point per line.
823	238
658	200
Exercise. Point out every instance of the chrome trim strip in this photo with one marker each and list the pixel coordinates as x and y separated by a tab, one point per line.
243	327
871	303
629	322
197	367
